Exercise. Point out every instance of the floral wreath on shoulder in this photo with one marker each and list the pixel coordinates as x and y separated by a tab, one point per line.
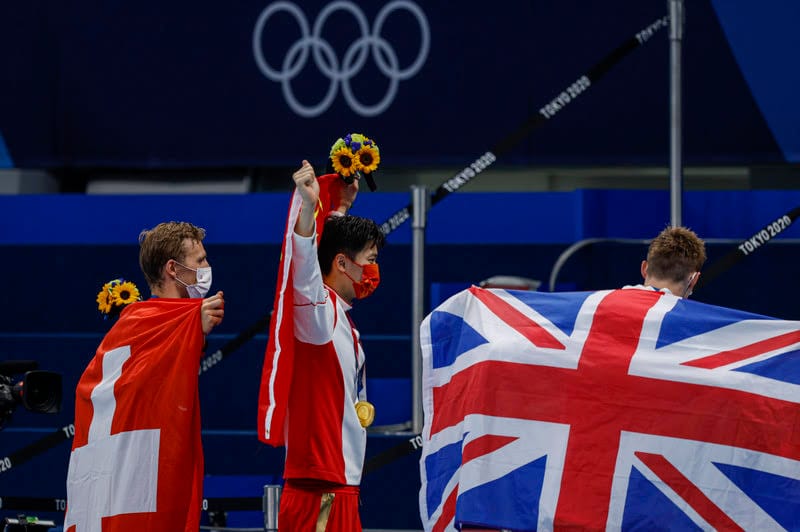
115	296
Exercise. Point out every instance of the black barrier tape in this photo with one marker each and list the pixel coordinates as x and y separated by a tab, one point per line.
36	448
748	247
542	115
45	504
545	113
394	453
243	337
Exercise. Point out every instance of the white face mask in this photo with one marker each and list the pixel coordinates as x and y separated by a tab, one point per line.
199	289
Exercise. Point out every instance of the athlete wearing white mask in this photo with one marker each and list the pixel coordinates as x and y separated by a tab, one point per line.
179	268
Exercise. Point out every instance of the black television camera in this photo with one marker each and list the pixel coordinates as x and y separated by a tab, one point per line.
38	391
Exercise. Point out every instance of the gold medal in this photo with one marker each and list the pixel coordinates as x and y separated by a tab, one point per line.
365	412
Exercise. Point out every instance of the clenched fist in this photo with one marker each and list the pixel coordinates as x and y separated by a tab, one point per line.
212	311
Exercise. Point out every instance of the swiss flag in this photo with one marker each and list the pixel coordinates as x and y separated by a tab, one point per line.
137	456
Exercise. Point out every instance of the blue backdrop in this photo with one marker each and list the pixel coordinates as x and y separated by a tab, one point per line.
154	84
57	251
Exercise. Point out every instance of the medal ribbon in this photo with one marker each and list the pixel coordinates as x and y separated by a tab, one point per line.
359	375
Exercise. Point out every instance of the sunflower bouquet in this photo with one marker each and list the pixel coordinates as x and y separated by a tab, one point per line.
116	295
355	154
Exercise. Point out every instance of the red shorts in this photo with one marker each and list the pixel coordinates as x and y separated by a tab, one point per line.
315	506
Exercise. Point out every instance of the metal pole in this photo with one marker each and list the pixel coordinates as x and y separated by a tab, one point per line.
676	22
271	503
420	202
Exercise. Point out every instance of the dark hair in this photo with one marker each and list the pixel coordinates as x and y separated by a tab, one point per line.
349	235
675	253
162	243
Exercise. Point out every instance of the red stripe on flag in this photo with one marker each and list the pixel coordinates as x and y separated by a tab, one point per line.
448	512
690	493
729	357
532	331
484	445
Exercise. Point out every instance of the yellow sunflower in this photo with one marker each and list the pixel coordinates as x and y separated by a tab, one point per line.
343	161
368	158
104	300
125	293
116	295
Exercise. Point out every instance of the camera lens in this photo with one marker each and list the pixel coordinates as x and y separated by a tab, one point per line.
41	391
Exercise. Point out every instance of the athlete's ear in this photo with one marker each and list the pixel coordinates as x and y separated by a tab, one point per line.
693	281
690	284
169	269
644	269
339	262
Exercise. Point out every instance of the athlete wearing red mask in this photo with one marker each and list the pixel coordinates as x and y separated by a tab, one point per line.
325	439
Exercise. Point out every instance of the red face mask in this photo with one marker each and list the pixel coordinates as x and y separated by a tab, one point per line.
370	279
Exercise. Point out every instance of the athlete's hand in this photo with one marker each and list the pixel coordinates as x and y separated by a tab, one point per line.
307	186
343	194
212	311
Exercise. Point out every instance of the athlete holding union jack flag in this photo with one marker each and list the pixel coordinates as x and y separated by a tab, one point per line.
620	409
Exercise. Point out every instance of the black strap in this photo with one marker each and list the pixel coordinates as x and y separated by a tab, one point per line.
209	361
36	448
45	504
393	453
748	247
544	114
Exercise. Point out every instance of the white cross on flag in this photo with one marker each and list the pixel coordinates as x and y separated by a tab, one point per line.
137	458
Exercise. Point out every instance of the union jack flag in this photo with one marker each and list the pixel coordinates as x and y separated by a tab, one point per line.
622	409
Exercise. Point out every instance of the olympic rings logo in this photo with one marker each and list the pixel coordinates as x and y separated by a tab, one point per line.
354	59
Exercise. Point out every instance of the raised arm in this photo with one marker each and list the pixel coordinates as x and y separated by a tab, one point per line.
305	182
315	312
